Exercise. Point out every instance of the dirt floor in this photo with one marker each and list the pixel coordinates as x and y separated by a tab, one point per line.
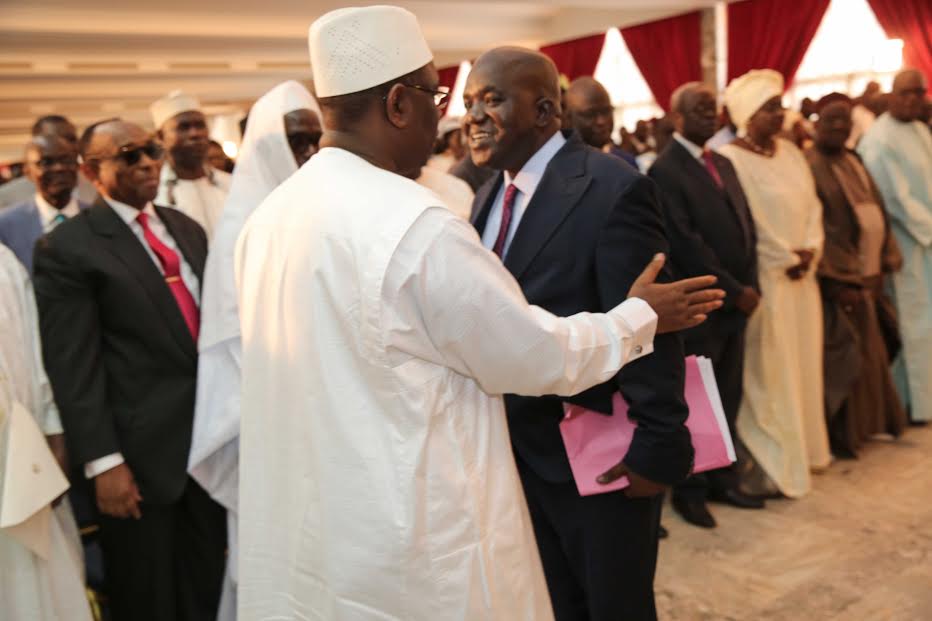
858	548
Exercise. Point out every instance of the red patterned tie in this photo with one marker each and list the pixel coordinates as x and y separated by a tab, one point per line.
171	265
510	192
710	166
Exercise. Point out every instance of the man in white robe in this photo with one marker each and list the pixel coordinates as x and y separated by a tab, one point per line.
378	334
897	150
265	160
41	565
187	181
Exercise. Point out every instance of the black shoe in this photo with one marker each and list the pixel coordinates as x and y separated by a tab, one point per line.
694	511
662	533
736	498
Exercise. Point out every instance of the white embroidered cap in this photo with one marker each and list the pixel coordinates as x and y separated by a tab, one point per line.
357	48
171	105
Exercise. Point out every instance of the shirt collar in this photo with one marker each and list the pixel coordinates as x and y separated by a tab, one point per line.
168	175
47	212
533	170
694	149
127	213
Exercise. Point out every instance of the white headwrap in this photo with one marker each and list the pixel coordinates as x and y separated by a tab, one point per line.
264	162
357	48
747	94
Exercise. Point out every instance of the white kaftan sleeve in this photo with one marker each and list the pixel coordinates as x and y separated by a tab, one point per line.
894	186
452	302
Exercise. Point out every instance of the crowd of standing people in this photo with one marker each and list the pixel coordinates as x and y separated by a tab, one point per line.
330	383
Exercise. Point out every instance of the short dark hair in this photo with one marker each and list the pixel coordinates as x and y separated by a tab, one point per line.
42	121
84	142
343	110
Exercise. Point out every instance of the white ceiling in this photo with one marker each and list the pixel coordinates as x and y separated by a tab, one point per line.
89	59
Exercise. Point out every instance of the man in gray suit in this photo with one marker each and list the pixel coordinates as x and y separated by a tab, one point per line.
51	164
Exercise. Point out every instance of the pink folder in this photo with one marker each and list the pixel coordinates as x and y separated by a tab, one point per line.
595	442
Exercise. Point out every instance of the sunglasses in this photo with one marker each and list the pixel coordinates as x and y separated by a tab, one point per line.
132	154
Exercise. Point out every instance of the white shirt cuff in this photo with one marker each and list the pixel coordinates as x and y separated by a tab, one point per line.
101	465
642	320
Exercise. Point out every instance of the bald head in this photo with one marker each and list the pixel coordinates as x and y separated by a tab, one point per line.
512	100
122	160
908	95
590	111
51	163
693	112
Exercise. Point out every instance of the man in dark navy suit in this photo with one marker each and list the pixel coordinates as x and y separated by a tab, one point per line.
575	227
711	232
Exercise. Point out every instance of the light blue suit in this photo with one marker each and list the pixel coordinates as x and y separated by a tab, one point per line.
899	156
20	227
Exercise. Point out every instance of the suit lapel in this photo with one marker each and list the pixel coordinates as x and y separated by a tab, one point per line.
186	244
123	244
562	186
696	168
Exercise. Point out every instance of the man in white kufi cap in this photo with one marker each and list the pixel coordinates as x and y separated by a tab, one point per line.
187	181
377	479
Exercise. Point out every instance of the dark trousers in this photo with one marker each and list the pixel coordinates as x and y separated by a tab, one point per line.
168	565
599	552
727	356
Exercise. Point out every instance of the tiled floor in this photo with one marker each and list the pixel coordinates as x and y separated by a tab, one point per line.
858	548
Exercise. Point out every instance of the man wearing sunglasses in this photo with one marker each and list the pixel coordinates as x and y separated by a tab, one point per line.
52	166
118	290
187	181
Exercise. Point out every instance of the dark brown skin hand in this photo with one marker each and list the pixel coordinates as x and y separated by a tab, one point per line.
57	446
639	487
679	305
805	262
117	494
747	300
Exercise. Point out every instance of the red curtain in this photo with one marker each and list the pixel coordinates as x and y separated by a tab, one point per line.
667	52
910	20
771	34
577	57
448	76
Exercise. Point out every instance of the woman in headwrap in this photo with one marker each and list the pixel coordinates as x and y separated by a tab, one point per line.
282	133
860	398
781	420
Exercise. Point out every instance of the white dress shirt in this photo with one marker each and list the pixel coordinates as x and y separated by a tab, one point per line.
527	180
695	150
47	212
128	215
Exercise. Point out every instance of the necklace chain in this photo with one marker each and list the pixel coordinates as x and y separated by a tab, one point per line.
758	148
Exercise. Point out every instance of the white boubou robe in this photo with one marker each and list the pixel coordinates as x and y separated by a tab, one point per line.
899	157
376	472
201	199
41	564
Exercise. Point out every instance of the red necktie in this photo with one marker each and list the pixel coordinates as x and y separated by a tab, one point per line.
710	166
510	192
171	265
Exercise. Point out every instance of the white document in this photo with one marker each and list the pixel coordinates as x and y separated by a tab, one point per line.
32	480
715	398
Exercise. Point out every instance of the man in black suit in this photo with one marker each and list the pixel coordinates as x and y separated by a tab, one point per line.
117	289
575	226
711	232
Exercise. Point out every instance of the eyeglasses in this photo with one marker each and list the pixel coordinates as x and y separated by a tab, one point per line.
66	161
441	94
132	154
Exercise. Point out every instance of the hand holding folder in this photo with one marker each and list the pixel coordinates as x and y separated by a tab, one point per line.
595	442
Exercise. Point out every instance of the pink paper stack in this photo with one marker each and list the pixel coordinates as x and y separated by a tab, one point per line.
595	442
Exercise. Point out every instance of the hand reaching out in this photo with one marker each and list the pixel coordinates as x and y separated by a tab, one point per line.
679	305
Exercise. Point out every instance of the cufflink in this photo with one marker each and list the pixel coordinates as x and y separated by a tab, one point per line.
638	349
